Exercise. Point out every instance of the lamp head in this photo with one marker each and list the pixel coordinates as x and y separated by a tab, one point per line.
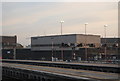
106	25
61	21
86	23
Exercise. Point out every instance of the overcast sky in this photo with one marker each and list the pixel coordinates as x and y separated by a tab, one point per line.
28	19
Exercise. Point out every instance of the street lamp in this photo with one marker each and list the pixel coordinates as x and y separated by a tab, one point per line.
105	30
85	42
61	39
52	49
105	26
61	25
85	27
14	51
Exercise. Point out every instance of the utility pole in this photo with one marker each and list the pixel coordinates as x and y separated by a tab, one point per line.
52	49
105	51
86	42
14	52
61	40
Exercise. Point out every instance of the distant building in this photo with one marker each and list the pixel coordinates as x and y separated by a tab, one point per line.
112	47
110	42
9	42
66	41
66	47
28	46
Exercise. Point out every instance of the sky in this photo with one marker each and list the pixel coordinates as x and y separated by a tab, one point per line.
29	19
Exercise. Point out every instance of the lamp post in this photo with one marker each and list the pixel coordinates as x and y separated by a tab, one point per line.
61	25
61	22
116	48
14	51
52	49
105	51
85	42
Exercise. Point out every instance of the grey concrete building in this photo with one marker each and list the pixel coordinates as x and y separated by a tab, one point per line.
111	42
65	41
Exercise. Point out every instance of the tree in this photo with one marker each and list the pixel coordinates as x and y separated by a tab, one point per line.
64	45
91	45
114	45
104	45
80	45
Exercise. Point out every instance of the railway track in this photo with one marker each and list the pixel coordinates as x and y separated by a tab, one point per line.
111	68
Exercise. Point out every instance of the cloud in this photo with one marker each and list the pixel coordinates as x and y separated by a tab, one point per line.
59	0
31	17
59	10
35	18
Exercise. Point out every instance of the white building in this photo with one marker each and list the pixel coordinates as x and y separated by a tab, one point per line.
55	41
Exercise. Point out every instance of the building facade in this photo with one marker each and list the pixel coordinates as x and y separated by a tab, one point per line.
66	47
65	41
8	42
110	42
111	46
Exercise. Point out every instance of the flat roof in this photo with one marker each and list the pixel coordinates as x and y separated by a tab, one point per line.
8	36
64	35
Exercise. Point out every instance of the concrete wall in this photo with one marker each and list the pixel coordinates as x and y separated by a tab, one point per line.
88	39
41	55
67	54
45	42
53	42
